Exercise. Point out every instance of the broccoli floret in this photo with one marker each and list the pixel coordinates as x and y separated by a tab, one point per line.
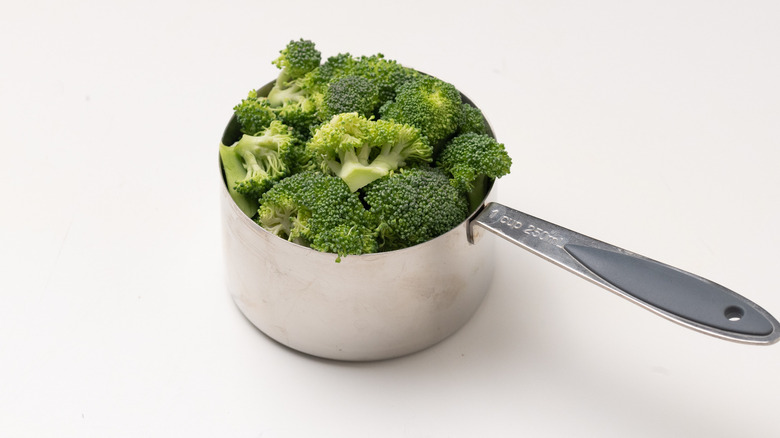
473	160
413	206
334	67
255	162
346	239
297	107
351	94
338	156
297	59
319	211
386	74
471	119
254	114
300	158
429	104
360	150
302	116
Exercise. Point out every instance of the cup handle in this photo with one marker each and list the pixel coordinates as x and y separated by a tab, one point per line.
679	296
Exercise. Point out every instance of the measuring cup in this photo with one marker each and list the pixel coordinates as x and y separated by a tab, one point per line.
390	304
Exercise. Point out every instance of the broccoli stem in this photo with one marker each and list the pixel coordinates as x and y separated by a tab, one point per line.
235	171
388	160
355	171
253	168
282	93
357	175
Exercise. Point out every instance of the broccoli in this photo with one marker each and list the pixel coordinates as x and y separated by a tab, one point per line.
356	155
302	115
360	150
320	211
471	119
413	206
473	160
387	75
254	114
296	60
255	162
345	239
429	104
351	94
293	101
333	68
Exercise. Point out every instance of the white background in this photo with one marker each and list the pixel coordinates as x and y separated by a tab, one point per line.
651	125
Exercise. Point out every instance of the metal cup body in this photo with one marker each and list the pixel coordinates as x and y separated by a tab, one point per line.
367	307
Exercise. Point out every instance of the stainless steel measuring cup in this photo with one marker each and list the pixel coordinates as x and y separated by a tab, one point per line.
384	305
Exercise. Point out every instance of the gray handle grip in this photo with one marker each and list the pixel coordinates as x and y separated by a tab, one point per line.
680	296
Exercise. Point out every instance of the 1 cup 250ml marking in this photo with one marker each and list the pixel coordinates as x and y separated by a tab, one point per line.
529	229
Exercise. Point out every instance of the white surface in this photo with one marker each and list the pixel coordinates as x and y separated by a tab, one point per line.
655	127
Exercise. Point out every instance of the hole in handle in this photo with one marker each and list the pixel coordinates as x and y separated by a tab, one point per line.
734	313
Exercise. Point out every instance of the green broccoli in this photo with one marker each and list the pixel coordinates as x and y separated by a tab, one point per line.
345	239
356	155
255	162
413	206
360	150
473	160
471	119
296	60
351	94
302	116
319	211
429	104
254	114
333	68
387	75
288	100
293	101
